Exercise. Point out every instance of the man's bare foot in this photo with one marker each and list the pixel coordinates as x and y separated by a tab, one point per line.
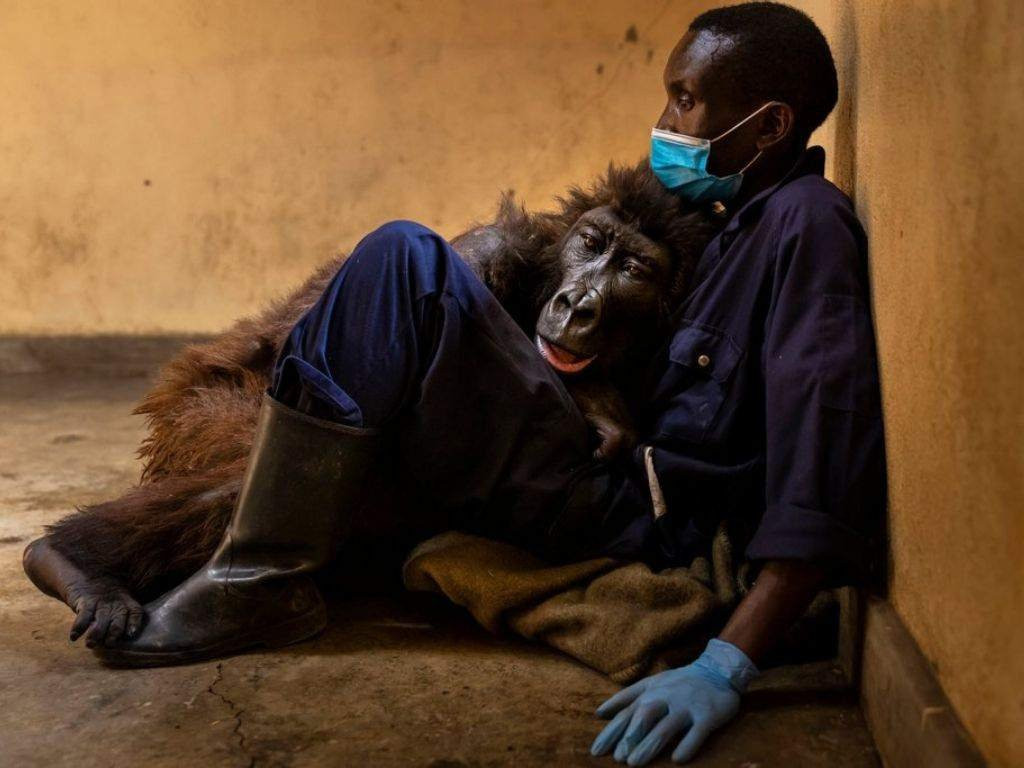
105	611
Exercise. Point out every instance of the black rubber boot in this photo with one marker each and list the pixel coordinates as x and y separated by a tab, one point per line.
303	478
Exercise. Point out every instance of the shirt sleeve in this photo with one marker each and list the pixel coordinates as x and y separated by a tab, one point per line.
824	447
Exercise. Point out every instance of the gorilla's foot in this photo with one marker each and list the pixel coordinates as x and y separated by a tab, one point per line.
207	618
105	610
47	569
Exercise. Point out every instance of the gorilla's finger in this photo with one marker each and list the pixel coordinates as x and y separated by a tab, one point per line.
85	610
100	624
118	621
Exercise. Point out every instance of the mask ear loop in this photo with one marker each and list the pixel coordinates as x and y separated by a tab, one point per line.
749	117
754	160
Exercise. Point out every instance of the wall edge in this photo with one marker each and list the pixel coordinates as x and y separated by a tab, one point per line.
908	714
94	355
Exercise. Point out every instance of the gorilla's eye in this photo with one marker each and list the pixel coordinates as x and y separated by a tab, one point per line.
589	241
633	269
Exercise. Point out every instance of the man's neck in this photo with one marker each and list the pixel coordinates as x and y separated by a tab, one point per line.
765	173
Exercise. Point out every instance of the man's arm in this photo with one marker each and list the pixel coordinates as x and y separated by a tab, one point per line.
781	594
702	696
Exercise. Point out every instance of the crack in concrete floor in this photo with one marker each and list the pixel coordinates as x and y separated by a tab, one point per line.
236	713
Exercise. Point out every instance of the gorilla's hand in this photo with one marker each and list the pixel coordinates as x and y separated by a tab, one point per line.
615	438
106	610
605	410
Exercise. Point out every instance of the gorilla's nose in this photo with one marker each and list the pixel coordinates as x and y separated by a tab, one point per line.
580	310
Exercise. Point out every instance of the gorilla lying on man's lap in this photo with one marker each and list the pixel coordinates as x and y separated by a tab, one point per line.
594	283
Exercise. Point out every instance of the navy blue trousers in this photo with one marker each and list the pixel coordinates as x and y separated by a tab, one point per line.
483	435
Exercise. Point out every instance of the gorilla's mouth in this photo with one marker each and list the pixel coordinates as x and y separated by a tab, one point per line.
562	359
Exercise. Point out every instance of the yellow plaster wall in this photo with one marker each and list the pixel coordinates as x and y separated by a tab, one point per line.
927	140
166	166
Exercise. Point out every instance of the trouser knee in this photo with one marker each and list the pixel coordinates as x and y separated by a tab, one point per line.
401	249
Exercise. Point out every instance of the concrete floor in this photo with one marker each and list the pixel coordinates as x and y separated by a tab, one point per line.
395	680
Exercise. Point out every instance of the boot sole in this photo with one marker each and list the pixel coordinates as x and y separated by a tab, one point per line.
287	633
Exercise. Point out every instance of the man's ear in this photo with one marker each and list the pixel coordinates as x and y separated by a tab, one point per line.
774	125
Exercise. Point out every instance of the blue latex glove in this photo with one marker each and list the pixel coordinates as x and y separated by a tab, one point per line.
695	699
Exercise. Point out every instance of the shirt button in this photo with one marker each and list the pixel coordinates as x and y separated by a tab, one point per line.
703	361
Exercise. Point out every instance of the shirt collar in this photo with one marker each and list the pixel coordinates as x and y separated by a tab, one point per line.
811	161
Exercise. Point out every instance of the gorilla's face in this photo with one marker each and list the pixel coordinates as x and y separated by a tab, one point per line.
613	296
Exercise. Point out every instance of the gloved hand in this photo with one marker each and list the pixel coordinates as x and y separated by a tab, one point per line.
701	697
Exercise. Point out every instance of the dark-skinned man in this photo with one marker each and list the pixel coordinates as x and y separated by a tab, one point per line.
783	424
761	411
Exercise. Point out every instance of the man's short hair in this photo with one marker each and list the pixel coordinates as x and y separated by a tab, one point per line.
779	54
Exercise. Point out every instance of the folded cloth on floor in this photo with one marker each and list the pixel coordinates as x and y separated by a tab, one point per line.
622	619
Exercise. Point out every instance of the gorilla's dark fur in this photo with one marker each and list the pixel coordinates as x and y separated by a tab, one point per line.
202	410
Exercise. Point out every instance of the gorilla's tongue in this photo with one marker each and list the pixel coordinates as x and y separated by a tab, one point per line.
562	359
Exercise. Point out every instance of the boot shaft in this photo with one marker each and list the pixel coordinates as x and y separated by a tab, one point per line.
304	479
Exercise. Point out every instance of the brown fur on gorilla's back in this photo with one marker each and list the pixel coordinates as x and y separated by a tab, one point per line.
201	412
201	416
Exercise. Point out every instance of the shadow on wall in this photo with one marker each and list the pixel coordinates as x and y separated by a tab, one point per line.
844	50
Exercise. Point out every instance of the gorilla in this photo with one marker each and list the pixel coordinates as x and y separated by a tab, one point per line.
594	283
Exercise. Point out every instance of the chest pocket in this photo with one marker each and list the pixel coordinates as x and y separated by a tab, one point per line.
702	361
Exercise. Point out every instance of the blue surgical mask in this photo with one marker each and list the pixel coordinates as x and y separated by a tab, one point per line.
681	163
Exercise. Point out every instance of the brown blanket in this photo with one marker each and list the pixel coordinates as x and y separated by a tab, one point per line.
620	618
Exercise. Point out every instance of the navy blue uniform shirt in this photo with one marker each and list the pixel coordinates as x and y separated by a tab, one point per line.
763	409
